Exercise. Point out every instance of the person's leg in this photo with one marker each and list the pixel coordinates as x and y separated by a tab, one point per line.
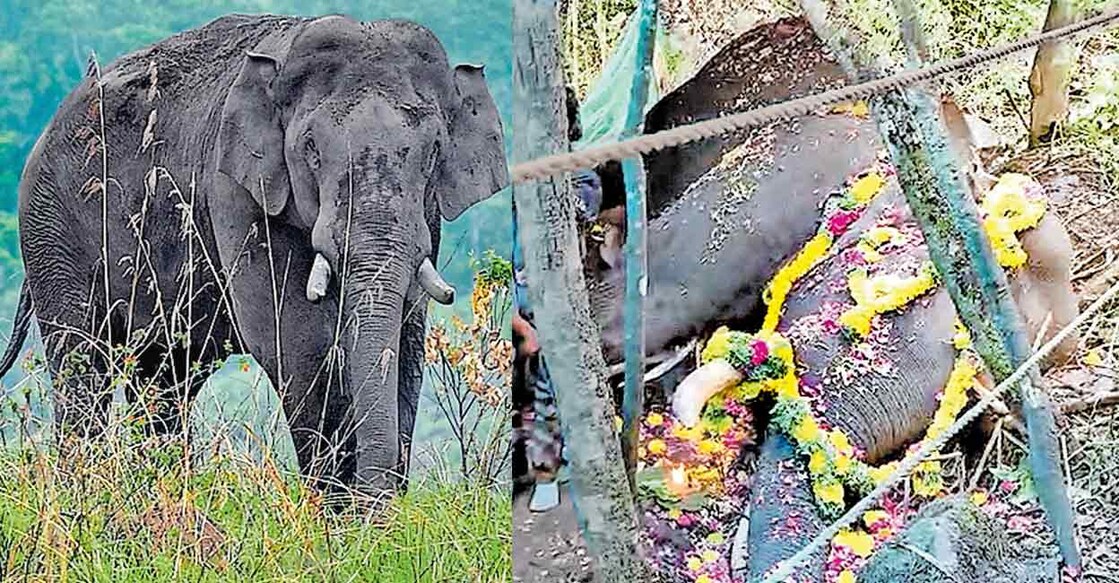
522	424
545	448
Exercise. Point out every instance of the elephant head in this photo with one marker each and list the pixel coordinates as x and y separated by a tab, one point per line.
350	141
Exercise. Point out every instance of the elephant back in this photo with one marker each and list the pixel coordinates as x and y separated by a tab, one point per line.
768	64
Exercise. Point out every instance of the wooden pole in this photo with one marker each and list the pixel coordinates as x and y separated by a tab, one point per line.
1052	73
633	173
568	336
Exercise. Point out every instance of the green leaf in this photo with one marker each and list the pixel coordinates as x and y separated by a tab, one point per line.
694	502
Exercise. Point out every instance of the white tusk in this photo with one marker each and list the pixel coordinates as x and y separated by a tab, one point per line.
319	278
705	382
433	283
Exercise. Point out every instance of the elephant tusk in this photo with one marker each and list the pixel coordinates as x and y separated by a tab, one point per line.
705	382
433	283
319	278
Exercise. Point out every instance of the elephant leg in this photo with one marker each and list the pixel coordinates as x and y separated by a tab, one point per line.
307	373
310	385
410	371
168	390
81	388
782	512
295	343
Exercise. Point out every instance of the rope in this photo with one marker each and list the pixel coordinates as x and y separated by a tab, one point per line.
824	537
591	157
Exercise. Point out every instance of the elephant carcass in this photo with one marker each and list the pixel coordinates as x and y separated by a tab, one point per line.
726	212
882	390
768	186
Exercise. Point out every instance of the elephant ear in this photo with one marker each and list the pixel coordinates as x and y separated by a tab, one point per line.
474	163
251	138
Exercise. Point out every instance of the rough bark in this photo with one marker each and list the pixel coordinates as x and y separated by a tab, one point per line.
1051	73
557	290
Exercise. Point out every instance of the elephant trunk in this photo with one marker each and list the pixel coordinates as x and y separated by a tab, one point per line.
782	513
374	303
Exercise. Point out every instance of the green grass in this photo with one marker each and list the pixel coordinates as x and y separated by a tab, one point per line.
145	515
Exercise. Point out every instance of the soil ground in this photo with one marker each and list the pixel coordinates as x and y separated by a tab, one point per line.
547	547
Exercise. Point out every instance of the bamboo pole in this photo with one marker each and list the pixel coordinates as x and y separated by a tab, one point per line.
938	196
568	336
633	173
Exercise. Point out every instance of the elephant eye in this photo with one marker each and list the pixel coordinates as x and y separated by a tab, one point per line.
311	152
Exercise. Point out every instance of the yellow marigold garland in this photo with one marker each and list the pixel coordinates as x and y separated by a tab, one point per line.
860	194
883	293
782	283
874	238
1007	211
830	457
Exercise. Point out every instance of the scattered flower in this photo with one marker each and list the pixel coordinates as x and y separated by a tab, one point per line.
860	543
1093	358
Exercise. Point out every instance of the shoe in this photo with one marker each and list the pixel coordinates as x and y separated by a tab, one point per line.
544	497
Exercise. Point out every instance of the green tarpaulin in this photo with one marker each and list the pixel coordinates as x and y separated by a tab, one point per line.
603	112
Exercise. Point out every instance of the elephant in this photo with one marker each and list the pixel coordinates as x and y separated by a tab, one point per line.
885	408
703	197
725	215
180	198
748	199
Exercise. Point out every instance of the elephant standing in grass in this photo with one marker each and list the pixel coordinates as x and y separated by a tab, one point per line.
261	184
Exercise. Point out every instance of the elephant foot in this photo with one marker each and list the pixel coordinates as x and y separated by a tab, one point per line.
952	541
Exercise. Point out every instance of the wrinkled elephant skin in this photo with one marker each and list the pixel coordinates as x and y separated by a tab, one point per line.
275	186
886	401
726	213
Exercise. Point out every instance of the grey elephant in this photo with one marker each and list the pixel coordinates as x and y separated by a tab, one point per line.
727	214
261	184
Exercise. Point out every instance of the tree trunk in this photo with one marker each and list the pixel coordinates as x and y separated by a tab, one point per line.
557	291
1051	73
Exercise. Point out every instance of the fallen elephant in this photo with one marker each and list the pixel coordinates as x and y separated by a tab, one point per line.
722	228
864	360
